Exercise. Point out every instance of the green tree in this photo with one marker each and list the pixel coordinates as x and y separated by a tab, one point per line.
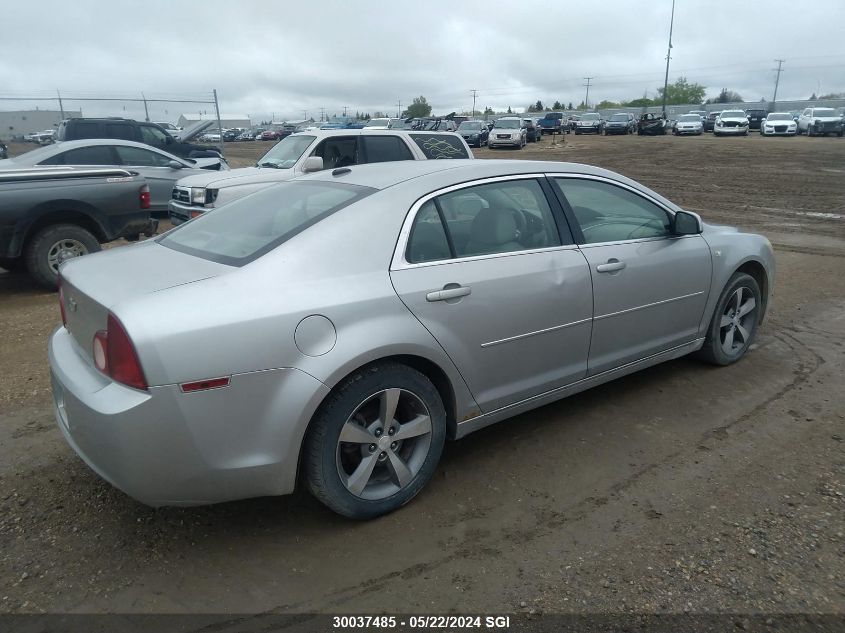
607	105
557	106
570	106
813	97
419	108
682	91
727	96
642	102
488	110
539	107
509	110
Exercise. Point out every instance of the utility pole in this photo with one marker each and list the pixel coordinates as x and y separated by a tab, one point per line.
668	57
779	70
399	113
146	111
219	124
61	107
323	113
587	97
344	111
304	115
474	95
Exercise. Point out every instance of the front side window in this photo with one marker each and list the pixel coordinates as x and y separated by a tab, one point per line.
152	135
247	228
338	151
500	217
609	213
135	156
381	149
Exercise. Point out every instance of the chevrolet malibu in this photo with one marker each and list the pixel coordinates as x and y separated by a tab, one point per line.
336	329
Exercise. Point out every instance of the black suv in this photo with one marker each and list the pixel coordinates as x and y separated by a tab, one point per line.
130	130
755	118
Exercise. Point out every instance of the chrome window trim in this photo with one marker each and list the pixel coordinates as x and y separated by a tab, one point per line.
398	262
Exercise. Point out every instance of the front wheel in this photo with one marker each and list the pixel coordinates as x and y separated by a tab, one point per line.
375	441
734	322
53	245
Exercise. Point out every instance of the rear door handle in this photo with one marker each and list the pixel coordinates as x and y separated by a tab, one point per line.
611	266
448	293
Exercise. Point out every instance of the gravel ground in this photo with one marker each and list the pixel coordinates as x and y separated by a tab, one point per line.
681	489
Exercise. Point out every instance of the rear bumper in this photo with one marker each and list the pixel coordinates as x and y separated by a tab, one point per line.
740	129
165	447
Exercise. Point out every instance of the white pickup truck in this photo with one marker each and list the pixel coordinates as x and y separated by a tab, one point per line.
306	152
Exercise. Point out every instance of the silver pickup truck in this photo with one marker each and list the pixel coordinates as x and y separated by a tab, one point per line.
50	214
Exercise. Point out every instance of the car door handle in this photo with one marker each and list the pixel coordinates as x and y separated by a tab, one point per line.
611	266
448	293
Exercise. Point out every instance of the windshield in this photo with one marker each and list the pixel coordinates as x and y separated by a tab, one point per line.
507	124
590	116
378	123
779	116
690	117
470	125
247	228
619	117
285	153
824	112
733	114
553	115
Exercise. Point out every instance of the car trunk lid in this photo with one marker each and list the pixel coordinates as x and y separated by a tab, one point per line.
93	285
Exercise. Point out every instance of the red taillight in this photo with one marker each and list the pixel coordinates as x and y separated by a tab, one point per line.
145	197
115	355
62	302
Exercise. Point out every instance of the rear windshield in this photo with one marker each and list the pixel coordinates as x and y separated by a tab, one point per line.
824	112
247	228
553	115
440	145
777	116
590	116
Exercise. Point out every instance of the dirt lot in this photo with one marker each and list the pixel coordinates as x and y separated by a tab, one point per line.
682	488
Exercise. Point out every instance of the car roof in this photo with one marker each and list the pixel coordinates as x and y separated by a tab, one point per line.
365	131
455	171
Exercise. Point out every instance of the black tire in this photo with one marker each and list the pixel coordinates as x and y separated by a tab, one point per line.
714	350
321	447
39	247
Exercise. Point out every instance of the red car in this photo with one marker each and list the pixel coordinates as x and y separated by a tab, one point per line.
269	135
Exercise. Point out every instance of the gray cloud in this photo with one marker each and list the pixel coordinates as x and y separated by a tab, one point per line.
286	58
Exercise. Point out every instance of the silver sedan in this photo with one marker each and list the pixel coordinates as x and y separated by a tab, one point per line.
160	169
337	329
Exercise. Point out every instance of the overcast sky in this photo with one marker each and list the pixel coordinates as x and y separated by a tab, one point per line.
285	58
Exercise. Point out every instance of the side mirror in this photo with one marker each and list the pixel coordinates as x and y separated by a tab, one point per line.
175	164
686	223
312	163
169	140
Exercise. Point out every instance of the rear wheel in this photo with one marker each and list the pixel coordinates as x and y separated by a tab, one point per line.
734	322
375	442
53	245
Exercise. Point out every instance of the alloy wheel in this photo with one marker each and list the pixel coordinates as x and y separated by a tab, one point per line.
63	250
384	443
737	321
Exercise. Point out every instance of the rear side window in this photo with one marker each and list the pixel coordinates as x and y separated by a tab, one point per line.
119	130
247	228
96	155
499	217
82	130
440	145
382	149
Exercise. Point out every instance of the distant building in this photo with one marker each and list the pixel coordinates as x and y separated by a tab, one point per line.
19	123
226	120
